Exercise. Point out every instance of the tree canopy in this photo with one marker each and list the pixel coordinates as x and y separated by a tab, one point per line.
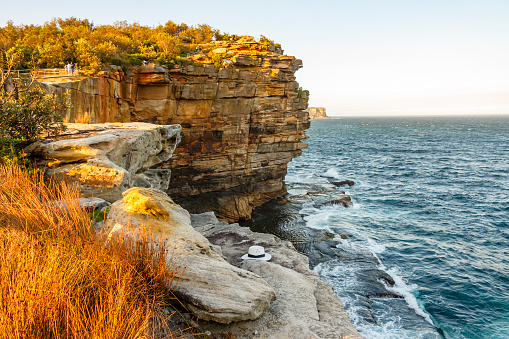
79	41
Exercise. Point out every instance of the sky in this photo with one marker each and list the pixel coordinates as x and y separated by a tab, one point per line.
360	56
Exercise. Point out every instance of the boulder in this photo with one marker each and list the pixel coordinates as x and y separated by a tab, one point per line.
220	51
306	306
346	201
88	204
210	287
107	159
92	204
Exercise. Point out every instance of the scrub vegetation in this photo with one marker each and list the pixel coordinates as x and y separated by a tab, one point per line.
60	280
88	46
26	110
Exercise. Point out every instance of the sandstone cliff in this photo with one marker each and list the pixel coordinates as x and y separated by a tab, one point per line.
107	159
318	113
242	120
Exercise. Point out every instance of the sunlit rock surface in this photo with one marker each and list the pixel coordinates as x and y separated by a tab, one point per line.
242	114
107	159
306	307
317	113
210	287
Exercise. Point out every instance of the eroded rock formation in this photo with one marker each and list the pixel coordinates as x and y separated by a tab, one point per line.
306	307
107	159
241	113
210	287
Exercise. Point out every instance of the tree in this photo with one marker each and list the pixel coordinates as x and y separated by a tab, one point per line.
168	44
25	109
91	47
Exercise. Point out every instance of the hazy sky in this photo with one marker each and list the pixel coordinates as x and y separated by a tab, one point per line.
359	55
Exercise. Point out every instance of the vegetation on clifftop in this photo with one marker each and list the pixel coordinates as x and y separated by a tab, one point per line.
79	41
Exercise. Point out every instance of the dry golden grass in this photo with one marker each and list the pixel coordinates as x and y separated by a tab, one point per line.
59	280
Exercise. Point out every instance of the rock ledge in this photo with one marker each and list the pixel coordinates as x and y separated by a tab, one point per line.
306	306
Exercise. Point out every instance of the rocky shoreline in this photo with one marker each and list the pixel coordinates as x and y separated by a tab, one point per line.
305	306
280	298
214	139
341	256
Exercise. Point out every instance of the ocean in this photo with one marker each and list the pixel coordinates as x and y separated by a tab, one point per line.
423	250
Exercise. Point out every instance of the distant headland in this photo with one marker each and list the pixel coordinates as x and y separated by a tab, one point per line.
318	113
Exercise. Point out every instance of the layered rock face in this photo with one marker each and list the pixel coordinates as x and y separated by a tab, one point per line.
241	115
317	113
107	159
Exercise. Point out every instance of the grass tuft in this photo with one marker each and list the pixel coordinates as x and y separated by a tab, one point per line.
60	280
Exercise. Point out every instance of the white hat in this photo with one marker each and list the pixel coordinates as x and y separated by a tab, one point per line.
256	253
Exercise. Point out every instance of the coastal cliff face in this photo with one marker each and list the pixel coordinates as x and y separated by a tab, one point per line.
318	113
242	116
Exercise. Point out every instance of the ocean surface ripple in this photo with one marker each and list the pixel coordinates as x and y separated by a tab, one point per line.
431	203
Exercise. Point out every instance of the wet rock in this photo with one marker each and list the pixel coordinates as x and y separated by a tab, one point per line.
385	277
210	287
343	183
346	201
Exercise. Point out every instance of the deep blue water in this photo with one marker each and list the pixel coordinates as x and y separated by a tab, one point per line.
431	202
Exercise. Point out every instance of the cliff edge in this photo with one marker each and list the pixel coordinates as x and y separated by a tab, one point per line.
242	116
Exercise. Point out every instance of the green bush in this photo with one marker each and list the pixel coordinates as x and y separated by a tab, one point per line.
25	115
301	91
91	47
10	152
26	112
218	60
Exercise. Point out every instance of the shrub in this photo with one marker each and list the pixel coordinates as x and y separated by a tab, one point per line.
301	92
25	109
217	60
26	114
10	152
60	41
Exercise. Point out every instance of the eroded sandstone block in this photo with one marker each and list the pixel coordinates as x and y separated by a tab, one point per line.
210	287
107	159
